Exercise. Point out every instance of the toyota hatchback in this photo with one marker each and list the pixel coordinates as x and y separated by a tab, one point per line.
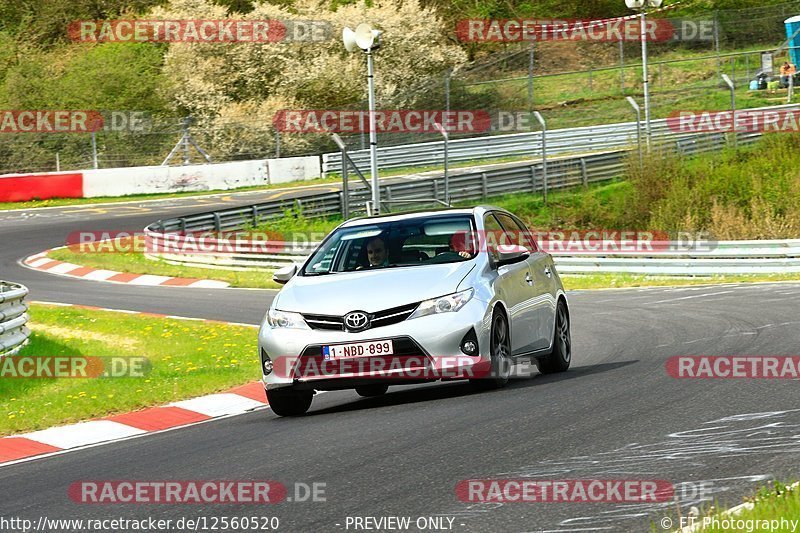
410	298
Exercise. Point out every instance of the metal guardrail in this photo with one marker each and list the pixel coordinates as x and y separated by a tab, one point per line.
725	257
13	317
560	141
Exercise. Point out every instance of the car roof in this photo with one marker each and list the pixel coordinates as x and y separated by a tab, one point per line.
408	215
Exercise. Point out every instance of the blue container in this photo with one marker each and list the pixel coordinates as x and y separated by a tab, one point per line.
792	25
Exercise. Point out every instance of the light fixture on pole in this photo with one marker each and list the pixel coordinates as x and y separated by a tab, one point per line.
641	6
366	39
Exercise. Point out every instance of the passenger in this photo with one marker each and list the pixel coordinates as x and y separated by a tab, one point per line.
787	71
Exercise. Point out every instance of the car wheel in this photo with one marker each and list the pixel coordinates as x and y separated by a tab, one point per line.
560	356
368	391
289	402
500	350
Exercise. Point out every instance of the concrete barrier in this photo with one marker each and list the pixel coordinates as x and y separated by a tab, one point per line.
157	179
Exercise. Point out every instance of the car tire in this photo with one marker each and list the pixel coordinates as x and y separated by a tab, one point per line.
560	355
499	350
289	402
368	391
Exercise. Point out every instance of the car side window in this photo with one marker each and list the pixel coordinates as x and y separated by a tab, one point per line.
520	235
493	237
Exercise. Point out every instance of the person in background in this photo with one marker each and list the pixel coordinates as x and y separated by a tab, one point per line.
787	71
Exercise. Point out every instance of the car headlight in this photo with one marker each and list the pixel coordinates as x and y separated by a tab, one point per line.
444	304
284	319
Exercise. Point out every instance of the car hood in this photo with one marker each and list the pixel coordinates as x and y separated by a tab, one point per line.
370	290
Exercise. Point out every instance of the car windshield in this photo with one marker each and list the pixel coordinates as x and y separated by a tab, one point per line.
407	242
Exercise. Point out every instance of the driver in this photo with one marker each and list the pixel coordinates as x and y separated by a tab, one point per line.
376	253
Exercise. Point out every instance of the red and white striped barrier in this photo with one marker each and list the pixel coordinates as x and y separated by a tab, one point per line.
156	179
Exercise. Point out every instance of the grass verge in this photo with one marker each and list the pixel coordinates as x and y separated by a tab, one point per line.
136	263
187	359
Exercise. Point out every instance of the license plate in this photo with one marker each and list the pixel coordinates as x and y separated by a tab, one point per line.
357	349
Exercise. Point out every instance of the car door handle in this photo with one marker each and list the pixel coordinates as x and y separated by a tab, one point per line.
528	279
547	272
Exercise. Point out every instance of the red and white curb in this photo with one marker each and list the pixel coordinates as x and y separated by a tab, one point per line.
240	400
43	263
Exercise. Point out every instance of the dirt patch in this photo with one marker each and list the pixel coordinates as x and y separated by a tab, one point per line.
71	333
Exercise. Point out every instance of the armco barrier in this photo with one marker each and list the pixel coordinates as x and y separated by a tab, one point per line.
13	317
559	142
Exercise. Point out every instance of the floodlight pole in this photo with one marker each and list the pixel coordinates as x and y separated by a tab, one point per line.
642	8
373	136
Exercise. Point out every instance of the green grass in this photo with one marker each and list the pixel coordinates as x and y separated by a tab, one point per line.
136	263
187	358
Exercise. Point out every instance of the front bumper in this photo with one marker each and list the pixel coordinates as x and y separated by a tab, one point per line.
426	348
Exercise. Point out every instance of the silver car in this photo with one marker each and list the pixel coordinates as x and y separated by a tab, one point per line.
414	297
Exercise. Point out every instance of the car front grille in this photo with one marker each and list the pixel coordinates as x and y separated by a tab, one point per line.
407	355
379	319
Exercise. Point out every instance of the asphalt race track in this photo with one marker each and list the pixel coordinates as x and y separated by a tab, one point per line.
616	414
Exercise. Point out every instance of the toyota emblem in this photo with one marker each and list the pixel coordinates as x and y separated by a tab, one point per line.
356	321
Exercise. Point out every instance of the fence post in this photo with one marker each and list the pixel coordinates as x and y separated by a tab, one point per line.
277	144
58	163
446	138
447	74
747	66
484	186
530	77
543	124
638	111
584	176
621	66
533	178
716	41
729	82
590	78
94	151
217	222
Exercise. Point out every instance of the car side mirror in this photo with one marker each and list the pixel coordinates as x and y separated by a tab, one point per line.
284	274
510	254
